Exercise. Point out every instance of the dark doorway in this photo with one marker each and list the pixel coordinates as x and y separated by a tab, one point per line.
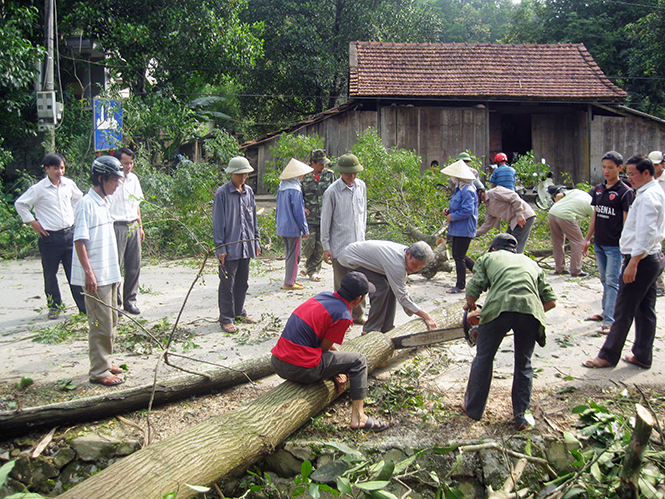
510	133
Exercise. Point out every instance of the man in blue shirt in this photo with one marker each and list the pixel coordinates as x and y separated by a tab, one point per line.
504	175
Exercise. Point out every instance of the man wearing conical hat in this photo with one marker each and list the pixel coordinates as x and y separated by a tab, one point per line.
236	234
344	219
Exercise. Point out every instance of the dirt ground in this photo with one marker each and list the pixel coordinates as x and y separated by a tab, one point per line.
164	286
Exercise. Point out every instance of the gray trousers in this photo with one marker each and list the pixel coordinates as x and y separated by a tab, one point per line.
292	248
332	363
490	335
382	303
128	238
102	321
233	285
339	271
522	233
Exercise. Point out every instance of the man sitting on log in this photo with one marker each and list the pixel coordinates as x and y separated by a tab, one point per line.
306	351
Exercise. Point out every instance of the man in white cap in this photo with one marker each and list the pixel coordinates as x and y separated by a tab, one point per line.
656	158
344	219
236	234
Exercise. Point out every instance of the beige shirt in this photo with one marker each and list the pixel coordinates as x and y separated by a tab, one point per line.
503	204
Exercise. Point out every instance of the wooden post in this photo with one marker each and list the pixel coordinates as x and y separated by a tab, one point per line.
632	461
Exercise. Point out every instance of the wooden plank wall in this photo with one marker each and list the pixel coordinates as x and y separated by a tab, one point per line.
628	135
562	140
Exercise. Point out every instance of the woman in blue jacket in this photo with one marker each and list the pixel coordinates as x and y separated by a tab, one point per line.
290	218
462	216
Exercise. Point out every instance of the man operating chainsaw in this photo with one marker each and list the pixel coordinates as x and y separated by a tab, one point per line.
518	297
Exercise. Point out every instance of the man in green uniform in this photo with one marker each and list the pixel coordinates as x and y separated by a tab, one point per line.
518	297
314	184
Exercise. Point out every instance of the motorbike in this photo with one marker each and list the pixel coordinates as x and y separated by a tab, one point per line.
545	189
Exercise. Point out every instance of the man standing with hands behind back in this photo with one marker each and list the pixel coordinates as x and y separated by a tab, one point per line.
128	226
53	199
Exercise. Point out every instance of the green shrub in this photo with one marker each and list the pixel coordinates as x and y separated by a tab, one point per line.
287	147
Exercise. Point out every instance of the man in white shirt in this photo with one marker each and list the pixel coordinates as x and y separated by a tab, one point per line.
344	219
128	226
53	199
656	158
640	244
95	266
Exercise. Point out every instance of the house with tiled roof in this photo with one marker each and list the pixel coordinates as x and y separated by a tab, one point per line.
439	99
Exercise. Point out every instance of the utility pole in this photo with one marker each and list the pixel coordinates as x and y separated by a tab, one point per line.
48	109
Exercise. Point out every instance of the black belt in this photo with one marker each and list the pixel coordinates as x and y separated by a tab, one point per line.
125	222
61	231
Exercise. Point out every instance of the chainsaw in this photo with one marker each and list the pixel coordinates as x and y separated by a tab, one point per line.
468	330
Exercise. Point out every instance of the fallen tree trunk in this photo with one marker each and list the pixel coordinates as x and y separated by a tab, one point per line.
230	443
133	399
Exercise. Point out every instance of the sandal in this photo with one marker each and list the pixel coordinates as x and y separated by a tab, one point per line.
596	363
595	318
247	319
605	329
294	286
632	360
110	380
454	290
372	425
315	277
53	314
116	370
229	328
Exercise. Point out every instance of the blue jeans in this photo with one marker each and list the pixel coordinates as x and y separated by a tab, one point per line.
609	261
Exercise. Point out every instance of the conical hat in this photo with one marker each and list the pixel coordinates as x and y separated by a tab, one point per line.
294	169
460	170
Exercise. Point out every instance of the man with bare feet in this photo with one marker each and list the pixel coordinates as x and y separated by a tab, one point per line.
306	351
643	262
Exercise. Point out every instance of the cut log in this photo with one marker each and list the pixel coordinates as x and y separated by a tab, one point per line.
230	443
632	461
133	399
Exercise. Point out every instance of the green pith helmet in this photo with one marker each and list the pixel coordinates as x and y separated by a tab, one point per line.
239	164
348	163
464	156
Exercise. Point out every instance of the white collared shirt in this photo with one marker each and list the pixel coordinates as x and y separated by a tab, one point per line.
53	205
94	226
644	229
124	203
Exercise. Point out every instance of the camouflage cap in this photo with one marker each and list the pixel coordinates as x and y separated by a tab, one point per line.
319	155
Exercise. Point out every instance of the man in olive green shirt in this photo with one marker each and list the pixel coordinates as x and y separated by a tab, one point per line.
518	297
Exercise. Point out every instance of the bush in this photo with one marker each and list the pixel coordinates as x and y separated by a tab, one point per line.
287	147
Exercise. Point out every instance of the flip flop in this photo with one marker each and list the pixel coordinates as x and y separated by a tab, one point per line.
294	286
53	315
372	424
454	290
116	370
596	363
229	328
110	380
632	360
247	319
595	318
605	329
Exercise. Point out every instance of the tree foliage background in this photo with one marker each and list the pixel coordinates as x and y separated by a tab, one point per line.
224	71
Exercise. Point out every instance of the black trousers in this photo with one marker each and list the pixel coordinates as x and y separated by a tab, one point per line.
462	262
57	248
233	286
635	301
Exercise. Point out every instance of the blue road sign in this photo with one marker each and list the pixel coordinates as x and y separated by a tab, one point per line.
107	124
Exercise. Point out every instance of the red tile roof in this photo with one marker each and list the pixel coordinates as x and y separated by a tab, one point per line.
555	72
